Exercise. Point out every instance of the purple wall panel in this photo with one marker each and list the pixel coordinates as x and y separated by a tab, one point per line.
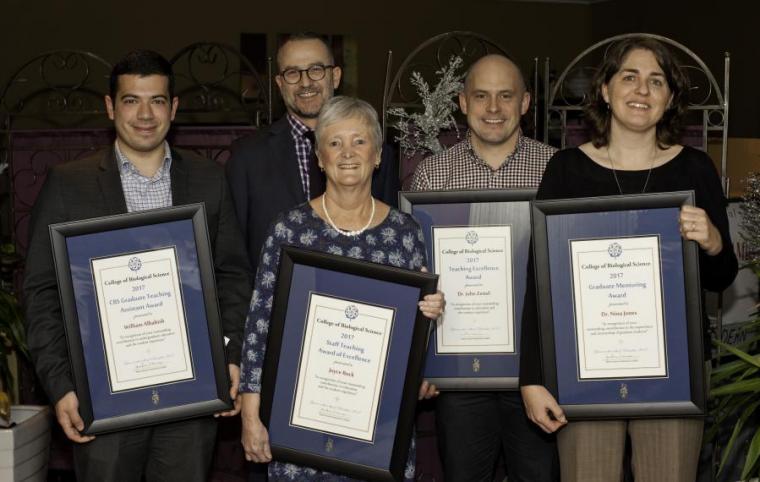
33	152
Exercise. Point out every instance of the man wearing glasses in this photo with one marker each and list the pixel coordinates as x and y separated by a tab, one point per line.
275	169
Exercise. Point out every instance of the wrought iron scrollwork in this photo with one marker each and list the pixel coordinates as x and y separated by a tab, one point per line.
65	89
565	96
34	153
60	88
217	80
429	57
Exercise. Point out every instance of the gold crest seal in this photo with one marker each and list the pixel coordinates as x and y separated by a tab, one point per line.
623	391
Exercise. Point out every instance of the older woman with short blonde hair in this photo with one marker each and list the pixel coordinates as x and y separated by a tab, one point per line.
346	220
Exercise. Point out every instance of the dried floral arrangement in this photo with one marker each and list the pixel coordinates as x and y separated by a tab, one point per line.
750	210
419	131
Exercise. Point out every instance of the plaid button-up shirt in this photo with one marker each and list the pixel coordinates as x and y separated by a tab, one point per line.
304	148
460	168
142	192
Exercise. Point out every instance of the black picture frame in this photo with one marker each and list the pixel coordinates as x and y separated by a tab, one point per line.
184	229
475	371
555	223
303	272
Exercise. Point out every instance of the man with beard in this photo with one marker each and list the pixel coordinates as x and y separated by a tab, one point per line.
275	169
474	428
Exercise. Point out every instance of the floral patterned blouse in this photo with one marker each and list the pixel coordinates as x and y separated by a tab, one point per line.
397	241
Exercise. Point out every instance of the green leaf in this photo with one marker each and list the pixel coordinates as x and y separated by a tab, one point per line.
729	371
748	342
6	378
752	454
742	386
749	410
730	405
735	376
753	360
727	367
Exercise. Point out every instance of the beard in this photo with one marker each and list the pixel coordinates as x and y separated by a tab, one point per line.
306	110
305	114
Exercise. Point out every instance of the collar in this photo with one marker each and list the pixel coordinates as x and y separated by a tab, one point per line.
297	127
125	163
474	155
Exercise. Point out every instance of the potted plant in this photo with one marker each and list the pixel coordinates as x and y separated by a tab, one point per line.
11	341
24	429
736	384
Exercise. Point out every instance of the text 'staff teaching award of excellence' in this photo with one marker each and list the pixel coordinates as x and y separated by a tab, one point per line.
342	367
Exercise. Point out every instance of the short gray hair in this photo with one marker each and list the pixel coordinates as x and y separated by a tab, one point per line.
342	107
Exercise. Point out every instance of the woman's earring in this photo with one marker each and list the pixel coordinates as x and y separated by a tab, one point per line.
377	165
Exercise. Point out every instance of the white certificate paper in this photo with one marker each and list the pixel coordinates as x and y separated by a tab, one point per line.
617	297
474	264
142	319
342	367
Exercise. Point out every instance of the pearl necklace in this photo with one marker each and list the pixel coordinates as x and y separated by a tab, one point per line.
342	231
614	173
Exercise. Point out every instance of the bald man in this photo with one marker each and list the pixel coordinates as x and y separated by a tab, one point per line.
475	428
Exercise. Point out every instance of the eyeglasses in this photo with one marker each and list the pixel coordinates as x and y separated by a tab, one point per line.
315	72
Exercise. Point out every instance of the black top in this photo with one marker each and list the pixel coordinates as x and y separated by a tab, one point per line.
572	174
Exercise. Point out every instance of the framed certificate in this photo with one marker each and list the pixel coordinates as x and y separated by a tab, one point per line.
344	363
478	243
619	306
141	315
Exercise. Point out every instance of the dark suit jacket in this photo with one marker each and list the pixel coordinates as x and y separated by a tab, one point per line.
265	180
91	188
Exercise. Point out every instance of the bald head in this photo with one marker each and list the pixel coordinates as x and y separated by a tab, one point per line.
495	66
494	99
